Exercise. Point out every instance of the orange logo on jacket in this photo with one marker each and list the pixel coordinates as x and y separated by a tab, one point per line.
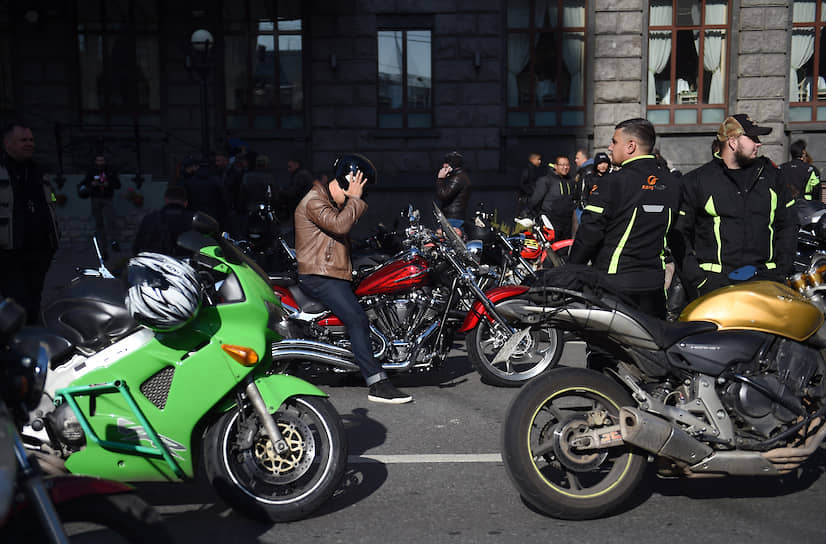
651	181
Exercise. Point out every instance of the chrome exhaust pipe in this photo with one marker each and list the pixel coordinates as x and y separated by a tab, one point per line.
658	436
314	352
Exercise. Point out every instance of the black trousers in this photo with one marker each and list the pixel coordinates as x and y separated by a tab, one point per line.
22	274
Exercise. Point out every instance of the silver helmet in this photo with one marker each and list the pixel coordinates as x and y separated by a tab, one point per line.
164	293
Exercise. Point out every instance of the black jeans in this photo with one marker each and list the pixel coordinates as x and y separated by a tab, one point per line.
339	297
22	277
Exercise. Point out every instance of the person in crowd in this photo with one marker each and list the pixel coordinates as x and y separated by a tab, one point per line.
299	183
233	181
205	193
628	219
734	218
28	225
220	165
323	220
602	167
663	162
159	229
527	183
584	168
102	182
802	178
453	188
554	197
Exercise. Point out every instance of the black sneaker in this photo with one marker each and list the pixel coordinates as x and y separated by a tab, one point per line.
386	392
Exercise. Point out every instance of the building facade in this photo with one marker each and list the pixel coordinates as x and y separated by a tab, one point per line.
405	81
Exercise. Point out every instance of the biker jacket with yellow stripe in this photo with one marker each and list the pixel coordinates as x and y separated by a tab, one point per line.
725	228
624	227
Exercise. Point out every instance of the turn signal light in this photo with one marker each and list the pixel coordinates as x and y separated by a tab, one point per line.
245	356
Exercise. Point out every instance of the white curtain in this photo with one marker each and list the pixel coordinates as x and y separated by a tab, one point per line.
519	53
573	49
659	47
803	46
713	47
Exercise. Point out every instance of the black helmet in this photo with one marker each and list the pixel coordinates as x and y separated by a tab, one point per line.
454	159
346	164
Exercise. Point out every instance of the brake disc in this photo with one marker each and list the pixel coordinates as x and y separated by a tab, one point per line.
296	460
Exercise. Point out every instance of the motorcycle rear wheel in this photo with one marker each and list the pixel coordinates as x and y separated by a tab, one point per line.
548	470
265	485
533	356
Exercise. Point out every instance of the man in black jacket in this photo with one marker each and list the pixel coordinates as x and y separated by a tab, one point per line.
453	188
554	197
28	228
159	230
628	218
802	179
734	217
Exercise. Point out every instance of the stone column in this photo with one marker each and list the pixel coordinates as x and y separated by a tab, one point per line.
619	67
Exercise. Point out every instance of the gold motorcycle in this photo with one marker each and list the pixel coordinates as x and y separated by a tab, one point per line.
736	387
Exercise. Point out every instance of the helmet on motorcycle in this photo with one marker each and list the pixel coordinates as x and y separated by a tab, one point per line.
349	164
164	293
530	249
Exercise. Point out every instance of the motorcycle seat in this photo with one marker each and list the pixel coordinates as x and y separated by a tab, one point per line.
305	302
666	333
90	315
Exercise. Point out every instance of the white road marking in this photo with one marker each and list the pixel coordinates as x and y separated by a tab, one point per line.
426	458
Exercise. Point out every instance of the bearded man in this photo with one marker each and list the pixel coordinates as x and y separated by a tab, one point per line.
735	217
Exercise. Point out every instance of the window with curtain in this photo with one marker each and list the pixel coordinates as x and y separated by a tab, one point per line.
807	70
118	57
6	73
546	63
405	79
687	61
263	65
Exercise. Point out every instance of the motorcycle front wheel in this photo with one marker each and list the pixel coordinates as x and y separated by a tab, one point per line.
242	465
539	351
541	436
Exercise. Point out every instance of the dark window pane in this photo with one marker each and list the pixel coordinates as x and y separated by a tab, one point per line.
90	50
263	72
6	81
390	120
418	69
289	58
390	68
235	72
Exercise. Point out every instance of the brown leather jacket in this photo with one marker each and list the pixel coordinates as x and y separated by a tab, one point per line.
322	244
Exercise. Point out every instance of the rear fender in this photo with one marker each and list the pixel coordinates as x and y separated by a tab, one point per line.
285	296
496	294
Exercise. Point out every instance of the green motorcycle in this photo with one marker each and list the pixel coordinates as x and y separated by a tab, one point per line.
179	381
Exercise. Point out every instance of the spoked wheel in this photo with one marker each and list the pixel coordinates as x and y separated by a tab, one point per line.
243	466
535	351
549	449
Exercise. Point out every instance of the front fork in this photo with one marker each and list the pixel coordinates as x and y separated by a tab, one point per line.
466	277
264	415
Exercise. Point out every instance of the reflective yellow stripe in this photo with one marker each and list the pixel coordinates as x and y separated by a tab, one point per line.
638	157
771	266
771	223
702	283
665	239
595	209
711	267
813	182
612	267
790	203
682	212
711	210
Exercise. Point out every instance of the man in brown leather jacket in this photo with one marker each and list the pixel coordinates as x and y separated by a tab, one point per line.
323	220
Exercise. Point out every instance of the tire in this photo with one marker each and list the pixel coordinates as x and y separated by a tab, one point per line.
563	482
260	484
539	352
122	517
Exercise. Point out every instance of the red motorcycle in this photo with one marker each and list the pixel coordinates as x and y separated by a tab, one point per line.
540	246
416	303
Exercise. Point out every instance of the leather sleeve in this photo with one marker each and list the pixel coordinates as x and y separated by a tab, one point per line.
332	220
448	188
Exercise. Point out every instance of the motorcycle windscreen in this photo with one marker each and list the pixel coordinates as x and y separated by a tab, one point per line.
763	306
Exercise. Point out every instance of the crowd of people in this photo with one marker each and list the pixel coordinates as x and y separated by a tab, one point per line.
732	219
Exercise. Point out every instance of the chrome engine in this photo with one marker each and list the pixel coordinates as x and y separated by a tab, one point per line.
402	325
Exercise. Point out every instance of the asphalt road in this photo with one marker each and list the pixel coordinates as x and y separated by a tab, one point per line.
430	471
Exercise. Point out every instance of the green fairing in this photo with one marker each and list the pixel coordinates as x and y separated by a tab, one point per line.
204	380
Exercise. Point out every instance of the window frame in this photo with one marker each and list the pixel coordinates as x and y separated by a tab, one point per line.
106	111
405	110
814	103
249	29
558	107
699	107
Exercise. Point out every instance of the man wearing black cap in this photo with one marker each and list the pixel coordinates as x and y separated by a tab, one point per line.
601	168
453	188
734	217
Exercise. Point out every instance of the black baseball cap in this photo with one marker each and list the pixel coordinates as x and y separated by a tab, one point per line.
741	124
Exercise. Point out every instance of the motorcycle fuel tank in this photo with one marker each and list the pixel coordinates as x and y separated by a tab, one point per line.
399	274
763	306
